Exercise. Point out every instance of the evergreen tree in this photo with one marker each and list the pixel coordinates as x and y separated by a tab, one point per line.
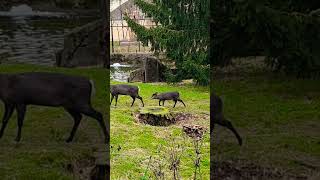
286	32
182	34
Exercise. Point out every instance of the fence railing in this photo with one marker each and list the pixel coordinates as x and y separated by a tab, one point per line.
122	38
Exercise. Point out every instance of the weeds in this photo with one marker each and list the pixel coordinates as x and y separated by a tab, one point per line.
167	163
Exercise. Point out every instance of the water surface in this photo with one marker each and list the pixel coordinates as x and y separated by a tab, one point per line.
28	36
120	72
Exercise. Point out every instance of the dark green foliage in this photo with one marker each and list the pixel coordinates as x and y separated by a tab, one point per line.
182	34
282	31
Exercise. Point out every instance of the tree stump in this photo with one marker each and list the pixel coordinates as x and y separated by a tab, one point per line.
155	116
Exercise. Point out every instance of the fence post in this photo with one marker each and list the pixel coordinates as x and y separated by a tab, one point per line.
105	13
111	27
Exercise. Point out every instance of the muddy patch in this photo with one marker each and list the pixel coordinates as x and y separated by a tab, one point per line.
154	120
173	118
231	170
154	116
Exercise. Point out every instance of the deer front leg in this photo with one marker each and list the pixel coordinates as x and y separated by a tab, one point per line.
226	123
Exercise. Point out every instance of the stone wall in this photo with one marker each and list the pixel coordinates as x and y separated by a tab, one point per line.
152	70
82	46
137	76
149	67
135	59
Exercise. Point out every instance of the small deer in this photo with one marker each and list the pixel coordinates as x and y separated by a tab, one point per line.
125	89
217	117
73	93
175	96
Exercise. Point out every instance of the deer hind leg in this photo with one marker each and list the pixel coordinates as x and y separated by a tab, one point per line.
21	109
9	108
140	98
89	111
180	100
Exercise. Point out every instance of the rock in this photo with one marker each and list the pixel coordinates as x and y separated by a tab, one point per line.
132	59
152	71
137	76
81	46
117	58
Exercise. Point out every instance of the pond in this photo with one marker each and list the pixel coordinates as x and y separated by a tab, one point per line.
28	36
120	73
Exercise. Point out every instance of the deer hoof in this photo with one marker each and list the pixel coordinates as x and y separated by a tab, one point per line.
17	139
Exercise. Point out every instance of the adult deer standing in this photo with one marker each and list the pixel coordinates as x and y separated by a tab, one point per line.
175	96
217	116
48	89
125	89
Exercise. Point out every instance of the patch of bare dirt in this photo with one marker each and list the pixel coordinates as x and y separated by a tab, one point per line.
231	170
81	169
153	119
187	118
85	169
194	131
177	118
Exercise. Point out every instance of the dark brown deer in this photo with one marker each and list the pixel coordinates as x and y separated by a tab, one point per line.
175	96
217	116
48	89
125	89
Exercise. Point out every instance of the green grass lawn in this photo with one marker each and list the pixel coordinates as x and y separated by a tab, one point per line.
278	119
42	152
140	141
